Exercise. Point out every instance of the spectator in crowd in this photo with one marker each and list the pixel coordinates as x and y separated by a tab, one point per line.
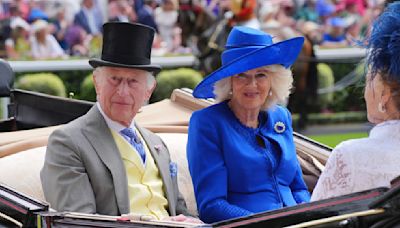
89	18
325	10
213	6
312	31
243	160
353	24
336	34
286	13
276	20
351	6
145	14
166	17
17	45
23	8
308	12
44	45
244	13
61	25
78	41
121	11
362	164
269	23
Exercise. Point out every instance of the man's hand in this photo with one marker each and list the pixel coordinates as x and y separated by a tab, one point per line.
138	217
183	218
178	218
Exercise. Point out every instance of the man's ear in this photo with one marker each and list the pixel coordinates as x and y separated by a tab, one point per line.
150	91
95	81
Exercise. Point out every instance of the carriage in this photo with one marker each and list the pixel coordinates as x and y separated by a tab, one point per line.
33	116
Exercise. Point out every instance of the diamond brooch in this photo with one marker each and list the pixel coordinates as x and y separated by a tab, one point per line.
279	127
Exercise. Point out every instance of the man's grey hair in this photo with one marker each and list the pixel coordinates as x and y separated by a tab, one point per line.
150	77
281	85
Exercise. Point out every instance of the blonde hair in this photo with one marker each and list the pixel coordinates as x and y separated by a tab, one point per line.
281	85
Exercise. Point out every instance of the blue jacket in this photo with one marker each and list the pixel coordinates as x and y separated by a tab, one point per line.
232	174
81	20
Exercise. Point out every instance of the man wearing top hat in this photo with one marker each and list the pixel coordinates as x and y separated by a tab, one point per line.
103	162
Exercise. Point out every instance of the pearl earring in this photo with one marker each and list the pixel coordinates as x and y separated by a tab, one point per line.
381	108
270	93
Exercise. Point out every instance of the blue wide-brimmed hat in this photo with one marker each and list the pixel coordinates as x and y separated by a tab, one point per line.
337	22
248	49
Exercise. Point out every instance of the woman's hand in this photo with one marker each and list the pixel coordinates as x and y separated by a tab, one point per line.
183	218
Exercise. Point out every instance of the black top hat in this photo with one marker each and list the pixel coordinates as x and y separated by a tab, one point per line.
126	45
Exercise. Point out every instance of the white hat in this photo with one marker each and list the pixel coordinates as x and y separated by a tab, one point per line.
308	27
39	25
19	22
267	9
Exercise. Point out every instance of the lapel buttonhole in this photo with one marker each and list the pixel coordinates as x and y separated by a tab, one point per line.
157	148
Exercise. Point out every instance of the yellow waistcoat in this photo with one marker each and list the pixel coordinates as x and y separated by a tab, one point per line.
145	186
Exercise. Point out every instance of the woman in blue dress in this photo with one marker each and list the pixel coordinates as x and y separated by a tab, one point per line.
240	151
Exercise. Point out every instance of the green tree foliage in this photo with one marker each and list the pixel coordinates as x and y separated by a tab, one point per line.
42	82
168	80
326	79
88	91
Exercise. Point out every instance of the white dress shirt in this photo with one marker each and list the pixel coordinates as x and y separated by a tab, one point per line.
117	127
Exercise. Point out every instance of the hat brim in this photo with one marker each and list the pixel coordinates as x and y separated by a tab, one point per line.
99	62
284	53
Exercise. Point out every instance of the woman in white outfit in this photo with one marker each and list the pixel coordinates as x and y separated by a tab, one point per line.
43	44
361	164
166	17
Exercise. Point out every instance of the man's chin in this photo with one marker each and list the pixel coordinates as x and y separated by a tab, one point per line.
122	117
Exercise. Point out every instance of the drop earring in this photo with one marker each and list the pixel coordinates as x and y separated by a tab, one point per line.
381	108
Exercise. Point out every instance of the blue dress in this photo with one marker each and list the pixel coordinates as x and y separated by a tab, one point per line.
238	171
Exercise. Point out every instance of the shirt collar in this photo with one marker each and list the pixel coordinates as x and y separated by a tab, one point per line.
113	125
390	127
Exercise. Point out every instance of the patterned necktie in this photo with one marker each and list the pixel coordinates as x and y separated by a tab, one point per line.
135	141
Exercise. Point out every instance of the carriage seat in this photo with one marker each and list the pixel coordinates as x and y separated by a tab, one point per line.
22	157
21	170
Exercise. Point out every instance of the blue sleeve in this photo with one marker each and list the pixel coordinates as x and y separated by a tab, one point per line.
208	171
298	186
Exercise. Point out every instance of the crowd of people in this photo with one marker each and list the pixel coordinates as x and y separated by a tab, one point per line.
59	29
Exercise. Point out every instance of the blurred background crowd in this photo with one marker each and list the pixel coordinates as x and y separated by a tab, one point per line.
48	29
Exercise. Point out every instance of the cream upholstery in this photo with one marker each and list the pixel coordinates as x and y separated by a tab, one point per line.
176	143
21	170
15	147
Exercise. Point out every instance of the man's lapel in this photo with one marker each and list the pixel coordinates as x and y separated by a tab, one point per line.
161	157
99	135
